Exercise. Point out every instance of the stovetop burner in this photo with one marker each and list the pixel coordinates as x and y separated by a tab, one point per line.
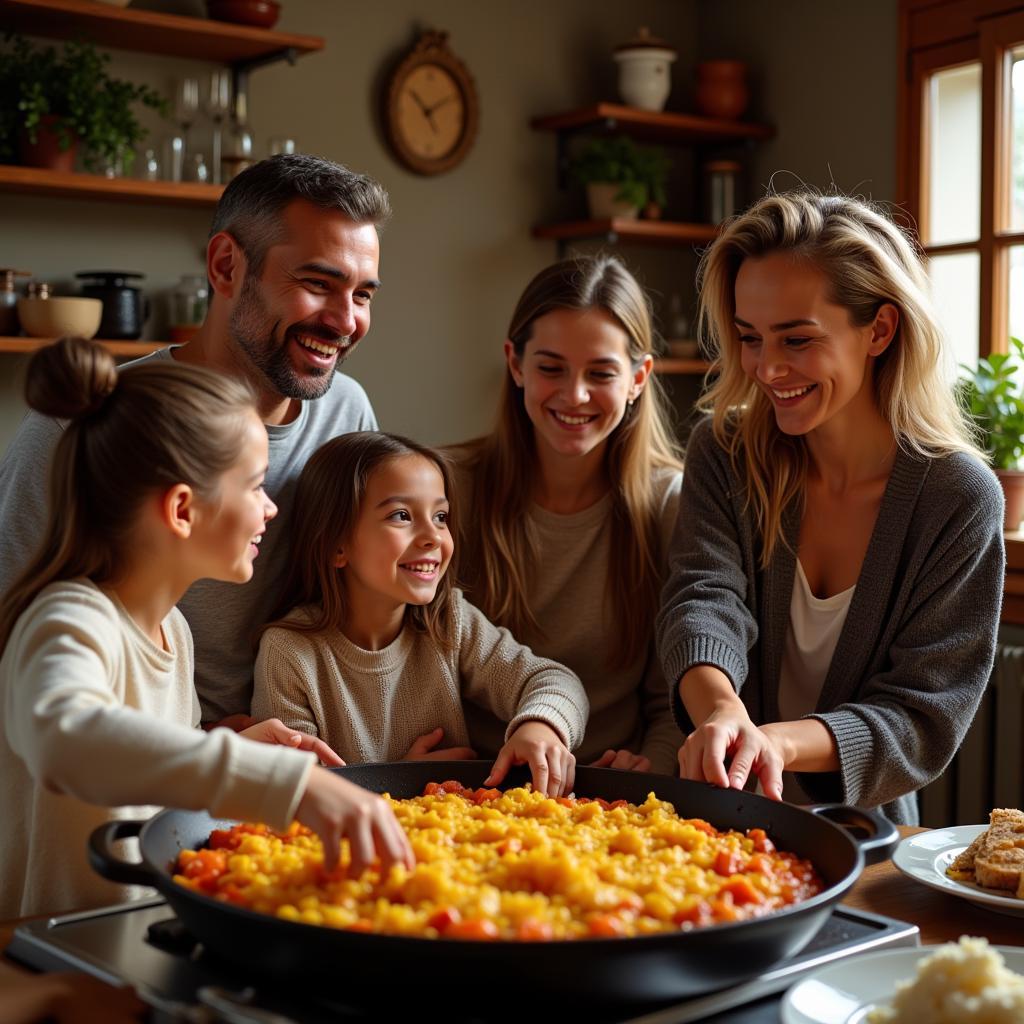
145	946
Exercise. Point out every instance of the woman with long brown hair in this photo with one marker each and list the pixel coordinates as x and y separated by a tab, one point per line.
568	504
838	567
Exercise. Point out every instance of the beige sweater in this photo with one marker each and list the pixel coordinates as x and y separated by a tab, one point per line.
96	715
372	705
629	706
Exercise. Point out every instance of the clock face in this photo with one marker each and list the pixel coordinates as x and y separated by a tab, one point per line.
430	108
431	112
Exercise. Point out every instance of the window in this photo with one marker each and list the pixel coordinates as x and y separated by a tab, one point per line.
962	162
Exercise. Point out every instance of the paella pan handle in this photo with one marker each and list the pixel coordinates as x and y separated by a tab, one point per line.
107	863
874	834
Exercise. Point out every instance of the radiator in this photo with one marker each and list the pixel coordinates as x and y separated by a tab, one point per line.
988	770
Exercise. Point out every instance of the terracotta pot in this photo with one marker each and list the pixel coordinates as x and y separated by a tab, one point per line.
603	204
46	151
1013	490
722	88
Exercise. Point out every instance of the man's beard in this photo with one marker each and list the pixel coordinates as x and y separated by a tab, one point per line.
253	331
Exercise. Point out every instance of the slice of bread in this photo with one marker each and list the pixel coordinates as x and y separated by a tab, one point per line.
999	860
962	868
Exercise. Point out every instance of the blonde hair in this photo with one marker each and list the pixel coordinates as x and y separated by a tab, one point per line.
867	261
129	435
500	549
328	499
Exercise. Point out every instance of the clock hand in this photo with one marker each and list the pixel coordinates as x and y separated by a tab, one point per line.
416	96
428	112
440	103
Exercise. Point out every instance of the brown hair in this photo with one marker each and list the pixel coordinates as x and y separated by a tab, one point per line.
867	261
328	499
129	434
499	548
252	205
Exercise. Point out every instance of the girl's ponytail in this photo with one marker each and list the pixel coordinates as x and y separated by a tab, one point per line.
70	379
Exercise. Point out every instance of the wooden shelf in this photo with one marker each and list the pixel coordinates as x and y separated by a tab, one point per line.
170	35
681	366
41	182
117	348
620	229
653	126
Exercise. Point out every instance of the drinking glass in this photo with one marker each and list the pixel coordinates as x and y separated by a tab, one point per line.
218	106
174	157
186	104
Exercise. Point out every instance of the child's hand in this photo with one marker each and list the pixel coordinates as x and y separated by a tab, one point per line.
551	764
423	749
273	730
625	760
335	808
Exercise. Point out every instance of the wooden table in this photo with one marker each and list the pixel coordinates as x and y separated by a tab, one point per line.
942	918
881	889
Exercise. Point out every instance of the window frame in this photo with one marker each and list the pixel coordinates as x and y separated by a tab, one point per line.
937	36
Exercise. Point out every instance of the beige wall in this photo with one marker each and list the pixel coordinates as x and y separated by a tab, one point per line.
825	73
458	251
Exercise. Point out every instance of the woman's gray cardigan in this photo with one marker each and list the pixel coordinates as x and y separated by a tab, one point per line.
916	651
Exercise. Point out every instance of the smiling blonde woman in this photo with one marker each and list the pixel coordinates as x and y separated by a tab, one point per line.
829	623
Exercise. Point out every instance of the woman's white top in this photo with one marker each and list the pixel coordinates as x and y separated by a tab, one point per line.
814	627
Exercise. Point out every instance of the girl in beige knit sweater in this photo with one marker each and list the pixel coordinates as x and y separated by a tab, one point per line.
155	483
377	649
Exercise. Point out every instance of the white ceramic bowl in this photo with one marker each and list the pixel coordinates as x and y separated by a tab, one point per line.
60	316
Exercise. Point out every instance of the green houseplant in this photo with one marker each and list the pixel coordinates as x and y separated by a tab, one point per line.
991	394
634	176
70	95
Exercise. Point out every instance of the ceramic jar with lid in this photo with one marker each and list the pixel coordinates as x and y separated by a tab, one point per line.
645	71
722	88
9	300
124	308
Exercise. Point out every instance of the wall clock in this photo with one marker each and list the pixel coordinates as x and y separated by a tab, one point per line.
431	110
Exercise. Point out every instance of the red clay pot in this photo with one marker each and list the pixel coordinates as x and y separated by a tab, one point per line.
722	88
1013	490
46	151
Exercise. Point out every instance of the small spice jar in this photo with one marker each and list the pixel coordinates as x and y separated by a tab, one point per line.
721	180
9	300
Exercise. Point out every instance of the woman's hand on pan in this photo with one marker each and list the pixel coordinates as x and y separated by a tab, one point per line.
535	743
273	730
423	749
727	748
625	760
335	808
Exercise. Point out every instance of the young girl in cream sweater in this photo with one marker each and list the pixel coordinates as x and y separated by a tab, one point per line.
378	649
156	482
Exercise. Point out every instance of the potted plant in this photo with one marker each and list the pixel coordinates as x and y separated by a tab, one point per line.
993	398
620	177
51	103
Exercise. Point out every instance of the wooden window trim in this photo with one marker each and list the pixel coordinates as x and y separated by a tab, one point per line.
941	34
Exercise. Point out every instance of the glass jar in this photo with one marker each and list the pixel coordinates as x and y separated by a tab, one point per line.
9	300
188	301
721	189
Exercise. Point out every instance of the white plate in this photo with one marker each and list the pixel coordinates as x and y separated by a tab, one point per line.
926	856
845	992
